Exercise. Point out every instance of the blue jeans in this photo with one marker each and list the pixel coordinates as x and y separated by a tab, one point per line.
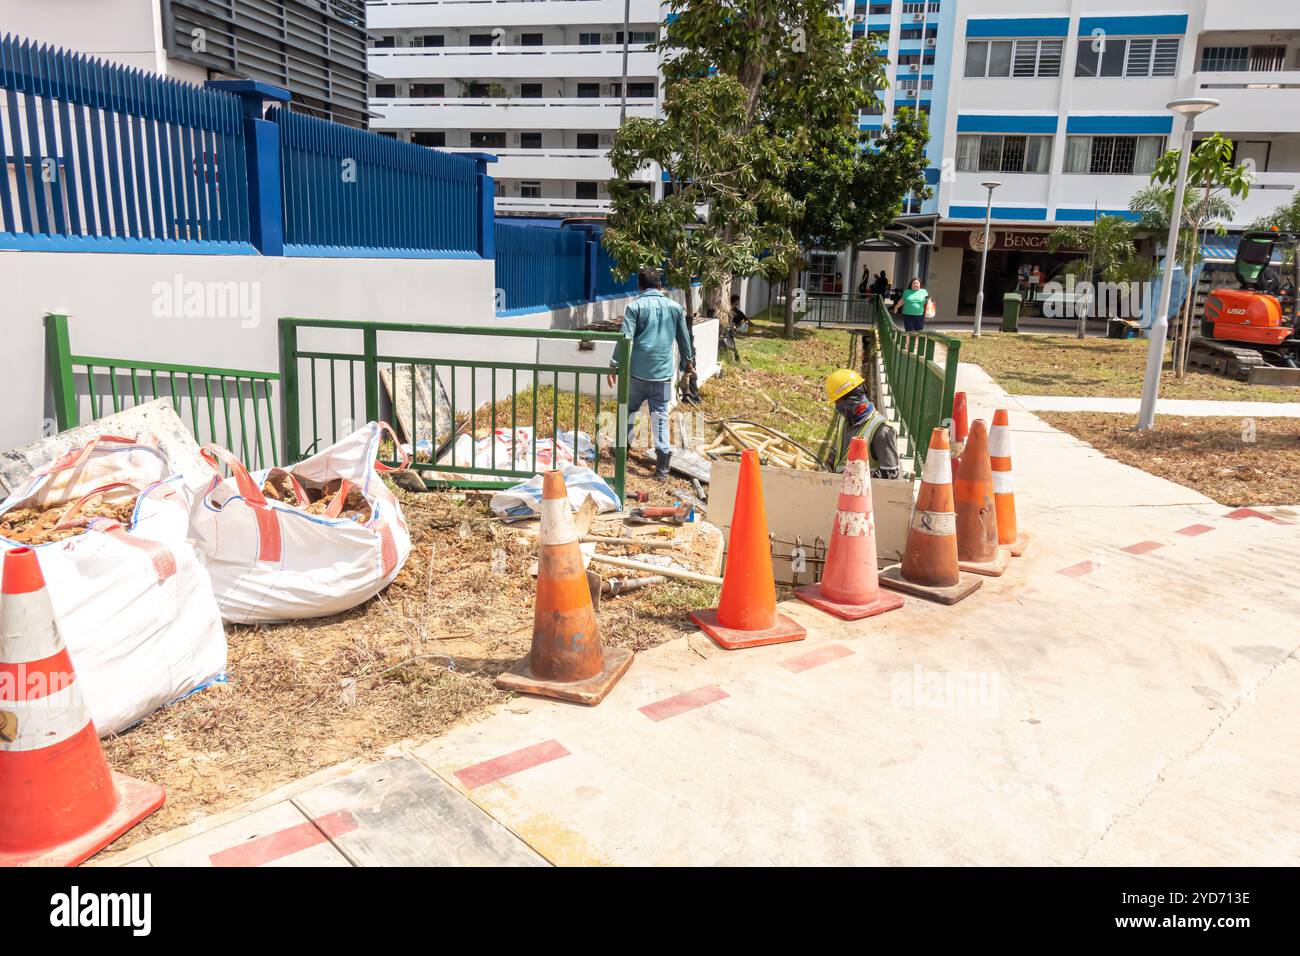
658	394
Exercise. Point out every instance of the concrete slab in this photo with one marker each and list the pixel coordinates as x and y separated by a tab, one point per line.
406	816
280	835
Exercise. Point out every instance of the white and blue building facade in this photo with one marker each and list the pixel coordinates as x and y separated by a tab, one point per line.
1063	102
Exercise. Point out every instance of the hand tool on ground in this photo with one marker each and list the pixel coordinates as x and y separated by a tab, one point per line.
620	585
675	515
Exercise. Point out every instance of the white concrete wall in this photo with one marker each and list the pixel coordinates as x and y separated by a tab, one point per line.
122	306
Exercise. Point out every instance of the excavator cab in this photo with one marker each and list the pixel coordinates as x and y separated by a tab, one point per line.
1261	313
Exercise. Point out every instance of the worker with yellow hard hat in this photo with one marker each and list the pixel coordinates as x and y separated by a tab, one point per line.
858	417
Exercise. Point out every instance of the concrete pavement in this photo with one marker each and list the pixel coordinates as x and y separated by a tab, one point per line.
1125	694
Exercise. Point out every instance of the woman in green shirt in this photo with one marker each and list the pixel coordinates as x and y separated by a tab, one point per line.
913	302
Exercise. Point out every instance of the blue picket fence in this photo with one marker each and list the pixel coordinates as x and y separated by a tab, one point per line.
106	157
605	285
349	192
539	268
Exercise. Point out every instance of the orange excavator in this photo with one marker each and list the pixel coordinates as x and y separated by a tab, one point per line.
1256	324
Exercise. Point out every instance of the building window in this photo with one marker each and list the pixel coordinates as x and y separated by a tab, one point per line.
489	140
641	91
385	90
1004	154
427	39
1014	58
635	37
386	133
1128	56
530	39
480	39
427	90
1113	155
585	190
531	190
383	43
1232	59
530	91
589	89
879	9
530	140
588	141
589	39
422	138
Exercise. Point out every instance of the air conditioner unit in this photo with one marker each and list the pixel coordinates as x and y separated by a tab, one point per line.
914	68
860	18
929	41
417	41
918	18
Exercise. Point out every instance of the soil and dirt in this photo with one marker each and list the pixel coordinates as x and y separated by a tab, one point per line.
1235	461
38	525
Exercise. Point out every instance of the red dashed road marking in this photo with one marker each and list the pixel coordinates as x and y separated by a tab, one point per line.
1142	547
274	846
823	655
1078	570
681	703
1242	513
507	764
1192	530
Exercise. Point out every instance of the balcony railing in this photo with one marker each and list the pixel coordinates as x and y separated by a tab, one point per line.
551	205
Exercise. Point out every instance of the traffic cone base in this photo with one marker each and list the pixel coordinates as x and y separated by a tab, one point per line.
967	584
1017	548
991	569
812	593
135	801
732	639
590	691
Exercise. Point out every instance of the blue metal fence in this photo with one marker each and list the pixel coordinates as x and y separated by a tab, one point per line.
538	268
107	158
349	192
604	283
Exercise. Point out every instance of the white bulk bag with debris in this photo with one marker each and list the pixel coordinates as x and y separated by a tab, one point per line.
311	540
109	526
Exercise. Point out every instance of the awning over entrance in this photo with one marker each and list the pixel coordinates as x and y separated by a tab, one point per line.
1223	249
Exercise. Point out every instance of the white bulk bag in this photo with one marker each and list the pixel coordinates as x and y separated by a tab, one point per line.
133	602
272	561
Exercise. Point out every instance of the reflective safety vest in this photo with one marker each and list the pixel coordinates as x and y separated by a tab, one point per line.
870	425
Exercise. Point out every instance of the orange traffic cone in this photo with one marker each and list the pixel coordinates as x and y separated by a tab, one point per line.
746	614
957	429
567	660
977	521
1004	492
59	802
929	567
849	587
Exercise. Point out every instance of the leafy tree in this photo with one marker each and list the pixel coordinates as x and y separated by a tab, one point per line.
1211	177
759	140
1283	218
1112	254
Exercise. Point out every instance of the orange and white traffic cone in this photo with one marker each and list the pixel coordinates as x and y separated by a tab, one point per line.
977	521
1004	492
59	802
567	660
746	614
850	587
929	567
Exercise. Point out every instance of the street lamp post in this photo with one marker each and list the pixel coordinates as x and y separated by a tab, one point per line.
1189	109
984	255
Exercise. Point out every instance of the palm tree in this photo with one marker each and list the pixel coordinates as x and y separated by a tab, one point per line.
1112	253
1201	214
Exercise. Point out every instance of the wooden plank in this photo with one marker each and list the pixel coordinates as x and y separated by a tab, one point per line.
801	506
416	423
407	816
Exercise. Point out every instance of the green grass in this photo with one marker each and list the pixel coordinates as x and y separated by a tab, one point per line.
1026	364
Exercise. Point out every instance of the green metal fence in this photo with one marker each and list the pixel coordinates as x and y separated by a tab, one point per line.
233	407
336	373
921	369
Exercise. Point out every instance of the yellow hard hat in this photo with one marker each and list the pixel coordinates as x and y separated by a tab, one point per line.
840	382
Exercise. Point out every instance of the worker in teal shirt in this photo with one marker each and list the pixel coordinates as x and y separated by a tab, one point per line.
653	322
913	302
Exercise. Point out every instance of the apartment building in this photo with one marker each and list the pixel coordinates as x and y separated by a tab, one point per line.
1063	102
541	84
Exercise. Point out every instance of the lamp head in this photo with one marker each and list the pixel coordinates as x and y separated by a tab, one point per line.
1193	106
991	184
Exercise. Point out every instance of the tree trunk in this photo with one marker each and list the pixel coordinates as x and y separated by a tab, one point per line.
791	280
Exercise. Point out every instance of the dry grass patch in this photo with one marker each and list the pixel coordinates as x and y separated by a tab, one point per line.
1221	457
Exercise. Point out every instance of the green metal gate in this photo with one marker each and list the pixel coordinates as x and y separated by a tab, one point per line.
922	386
